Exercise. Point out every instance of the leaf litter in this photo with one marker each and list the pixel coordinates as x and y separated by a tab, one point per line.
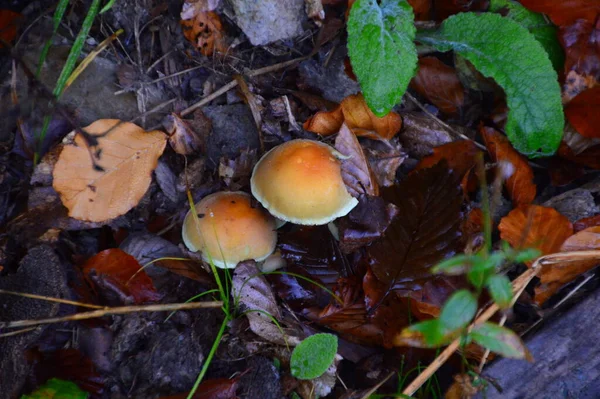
111	198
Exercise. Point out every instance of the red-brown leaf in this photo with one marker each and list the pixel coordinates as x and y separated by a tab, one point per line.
581	42
535	226
583	113
426	230
520	184
589	157
460	155
439	83
565	12
584	223
9	21
205	31
422	9
563	172
554	276
118	268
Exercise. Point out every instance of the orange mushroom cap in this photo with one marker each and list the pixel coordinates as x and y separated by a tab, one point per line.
300	181
229	229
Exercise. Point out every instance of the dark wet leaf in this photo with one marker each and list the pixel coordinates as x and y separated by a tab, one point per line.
425	231
218	388
500	340
584	223
365	223
460	156
439	83
583	112
384	159
563	172
581	42
26	139
565	12
356	172
113	269
445	8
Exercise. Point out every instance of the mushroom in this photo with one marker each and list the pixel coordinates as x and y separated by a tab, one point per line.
229	229
300	181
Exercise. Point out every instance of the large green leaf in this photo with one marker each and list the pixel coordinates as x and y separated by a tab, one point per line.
381	50
502	49
544	31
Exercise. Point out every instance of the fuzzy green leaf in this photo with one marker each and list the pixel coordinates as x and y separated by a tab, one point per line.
458	311
57	389
505	51
381	50
501	290
313	356
500	340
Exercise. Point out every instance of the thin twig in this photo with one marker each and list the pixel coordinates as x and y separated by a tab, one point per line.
51	299
17	332
518	285
251	100
112	311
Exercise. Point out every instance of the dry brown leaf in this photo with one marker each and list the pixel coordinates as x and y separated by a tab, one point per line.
520	184
128	155
554	276
355	112
384	158
205	31
461	156
356	173
183	138
190	8
535	226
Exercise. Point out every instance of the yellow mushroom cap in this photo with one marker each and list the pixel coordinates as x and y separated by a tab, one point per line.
230	230
300	181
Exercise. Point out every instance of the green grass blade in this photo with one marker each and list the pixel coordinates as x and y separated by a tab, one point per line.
58	16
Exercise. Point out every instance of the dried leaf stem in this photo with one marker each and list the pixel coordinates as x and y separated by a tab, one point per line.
519	285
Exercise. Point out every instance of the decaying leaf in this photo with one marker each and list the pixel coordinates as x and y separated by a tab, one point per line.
565	12
584	223
128	156
554	276
183	138
439	83
205	31
520	184
236	172
113	269
192	7
356	173
535	226
425	231
460	156
355	112
384	158
589	157
582	56
217	388
583	114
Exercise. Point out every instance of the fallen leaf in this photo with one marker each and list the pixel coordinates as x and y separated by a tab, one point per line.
535	226
236	172
216	388
584	223
576	142
115	268
128	156
355	112
356	173
385	157
192	7
420	134
422	9
183	138
581	42
439	83
426	230
445	8
205	32
365	223
589	157
554	276
565	12
583	113
563	172
519	185
9	21
460	156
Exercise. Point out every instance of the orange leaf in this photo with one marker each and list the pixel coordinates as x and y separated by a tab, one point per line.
439	83
583	113
554	276
8	25
461	156
535	226
118	268
205	31
355	112
520	184
584	223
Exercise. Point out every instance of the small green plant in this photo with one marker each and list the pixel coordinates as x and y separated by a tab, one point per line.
57	389
383	54
313	356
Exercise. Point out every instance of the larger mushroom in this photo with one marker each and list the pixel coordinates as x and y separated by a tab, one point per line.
300	181
228	229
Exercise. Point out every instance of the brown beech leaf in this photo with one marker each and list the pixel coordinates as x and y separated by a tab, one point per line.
520	184
115	268
460	156
439	83
385	157
554	276
582	56
422	9
355	112
583	113
563	172
128	156
217	388
426	230
187	136
356	172
205	32
535	226
584	223
589	157
365	223
565	12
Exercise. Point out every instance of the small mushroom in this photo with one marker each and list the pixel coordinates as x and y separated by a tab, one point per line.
300	181
230	230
